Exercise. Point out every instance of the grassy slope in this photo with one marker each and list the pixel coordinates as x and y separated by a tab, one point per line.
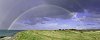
57	35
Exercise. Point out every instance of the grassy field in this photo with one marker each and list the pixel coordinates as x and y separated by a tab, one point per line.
57	35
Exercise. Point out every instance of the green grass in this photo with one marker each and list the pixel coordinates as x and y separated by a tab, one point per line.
57	35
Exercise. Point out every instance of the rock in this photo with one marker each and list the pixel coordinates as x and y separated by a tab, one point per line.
6	38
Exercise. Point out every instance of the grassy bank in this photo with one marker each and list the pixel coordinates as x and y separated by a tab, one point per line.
57	35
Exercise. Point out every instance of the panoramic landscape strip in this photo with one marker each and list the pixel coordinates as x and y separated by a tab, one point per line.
55	35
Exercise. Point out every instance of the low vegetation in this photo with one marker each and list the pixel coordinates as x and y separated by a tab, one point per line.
57	35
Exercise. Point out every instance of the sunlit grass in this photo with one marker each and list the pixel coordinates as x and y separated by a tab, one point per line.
57	35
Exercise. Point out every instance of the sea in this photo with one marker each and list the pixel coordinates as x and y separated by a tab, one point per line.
9	32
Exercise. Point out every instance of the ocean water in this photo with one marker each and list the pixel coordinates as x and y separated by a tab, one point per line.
8	32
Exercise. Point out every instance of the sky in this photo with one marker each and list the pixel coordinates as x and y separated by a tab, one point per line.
80	20
42	14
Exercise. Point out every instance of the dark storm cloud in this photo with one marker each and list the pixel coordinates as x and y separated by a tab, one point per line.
70	5
76	5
